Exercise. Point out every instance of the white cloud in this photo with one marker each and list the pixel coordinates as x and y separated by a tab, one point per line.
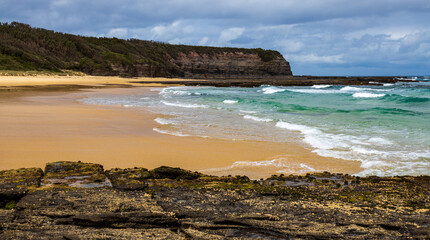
171	31
230	34
203	41
291	46
312	58
118	33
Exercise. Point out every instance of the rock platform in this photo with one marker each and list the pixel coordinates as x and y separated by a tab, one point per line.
74	200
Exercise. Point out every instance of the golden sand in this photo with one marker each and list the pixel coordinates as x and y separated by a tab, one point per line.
8	81
40	127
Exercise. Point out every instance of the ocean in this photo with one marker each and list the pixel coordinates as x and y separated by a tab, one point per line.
385	127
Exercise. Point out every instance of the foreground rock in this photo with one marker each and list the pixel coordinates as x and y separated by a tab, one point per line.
14	184
75	174
129	179
172	203
88	213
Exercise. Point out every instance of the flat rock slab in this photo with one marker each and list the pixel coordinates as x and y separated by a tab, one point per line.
104	213
23	177
15	183
220	214
79	233
129	178
75	174
172	203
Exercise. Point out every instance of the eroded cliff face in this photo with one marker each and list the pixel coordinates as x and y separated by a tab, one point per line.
225	65
229	65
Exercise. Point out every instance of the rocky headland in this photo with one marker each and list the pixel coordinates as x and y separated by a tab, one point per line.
75	200
24	48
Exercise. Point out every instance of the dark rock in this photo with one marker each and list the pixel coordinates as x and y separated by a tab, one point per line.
64	232
219	208
75	174
98	211
14	184
282	81
174	173
23	177
122	220
181	204
128	179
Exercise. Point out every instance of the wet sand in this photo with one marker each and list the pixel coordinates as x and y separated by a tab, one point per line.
37	127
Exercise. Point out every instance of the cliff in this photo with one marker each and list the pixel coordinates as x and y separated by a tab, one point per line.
74	200
24	48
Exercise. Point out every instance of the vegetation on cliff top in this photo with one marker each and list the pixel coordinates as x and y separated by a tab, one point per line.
23	48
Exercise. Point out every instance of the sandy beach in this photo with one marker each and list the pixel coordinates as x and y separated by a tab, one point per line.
40	126
19	81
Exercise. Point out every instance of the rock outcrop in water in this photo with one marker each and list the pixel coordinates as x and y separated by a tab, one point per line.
82	201
284	81
24	48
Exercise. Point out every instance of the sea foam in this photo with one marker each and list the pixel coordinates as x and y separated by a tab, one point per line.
297	127
352	89
257	119
316	91
179	134
321	86
164	121
272	90
174	91
278	165
367	95
246	111
360	89
230	101
184	105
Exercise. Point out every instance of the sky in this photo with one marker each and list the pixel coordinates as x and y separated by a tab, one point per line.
317	37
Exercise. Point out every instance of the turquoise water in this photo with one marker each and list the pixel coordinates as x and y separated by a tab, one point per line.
386	127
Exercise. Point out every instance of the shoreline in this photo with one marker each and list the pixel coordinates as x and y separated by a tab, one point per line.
63	129
103	81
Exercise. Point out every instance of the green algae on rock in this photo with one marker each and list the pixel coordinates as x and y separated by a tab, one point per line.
129	178
174	173
15	183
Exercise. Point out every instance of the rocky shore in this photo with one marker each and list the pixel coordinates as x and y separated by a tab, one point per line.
75	200
284	81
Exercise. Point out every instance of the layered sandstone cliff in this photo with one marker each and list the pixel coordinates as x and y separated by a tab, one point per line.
227	65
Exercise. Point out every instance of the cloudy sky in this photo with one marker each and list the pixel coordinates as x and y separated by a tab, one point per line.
318	37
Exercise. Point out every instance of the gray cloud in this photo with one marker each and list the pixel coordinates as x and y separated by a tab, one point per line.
331	37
